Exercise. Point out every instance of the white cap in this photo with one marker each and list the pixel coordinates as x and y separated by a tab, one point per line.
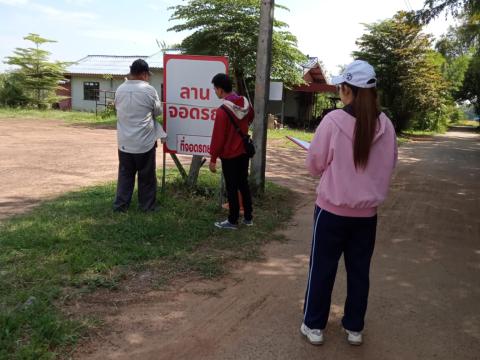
359	73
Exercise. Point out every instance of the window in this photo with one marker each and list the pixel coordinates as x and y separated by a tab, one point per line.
91	90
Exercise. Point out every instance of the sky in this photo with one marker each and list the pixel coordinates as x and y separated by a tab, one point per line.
324	29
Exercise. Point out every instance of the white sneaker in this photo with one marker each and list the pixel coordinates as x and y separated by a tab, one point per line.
354	337
314	336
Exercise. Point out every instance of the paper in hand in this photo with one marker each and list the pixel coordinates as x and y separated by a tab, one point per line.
303	144
159	132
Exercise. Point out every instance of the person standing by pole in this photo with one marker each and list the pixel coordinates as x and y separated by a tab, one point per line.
137	104
354	150
228	144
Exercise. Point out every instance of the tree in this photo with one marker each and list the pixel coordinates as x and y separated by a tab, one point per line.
471	85
38	77
410	80
461	47
466	11
433	8
11	92
230	27
457	56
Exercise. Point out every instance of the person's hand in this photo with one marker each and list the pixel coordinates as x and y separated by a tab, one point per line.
213	167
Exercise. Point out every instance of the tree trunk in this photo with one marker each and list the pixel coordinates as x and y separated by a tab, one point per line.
194	170
239	84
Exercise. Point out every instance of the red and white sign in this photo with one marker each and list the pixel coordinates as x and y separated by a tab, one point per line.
190	101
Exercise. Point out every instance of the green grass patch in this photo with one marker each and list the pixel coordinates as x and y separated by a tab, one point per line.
279	136
402	140
418	133
71	117
472	123
76	244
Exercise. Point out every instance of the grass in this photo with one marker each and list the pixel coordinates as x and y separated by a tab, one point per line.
89	119
402	140
472	123
418	133
76	244
279	136
71	117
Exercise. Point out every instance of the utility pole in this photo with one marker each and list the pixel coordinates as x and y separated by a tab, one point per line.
262	88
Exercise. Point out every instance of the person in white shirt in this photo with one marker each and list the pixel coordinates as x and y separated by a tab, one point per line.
137	104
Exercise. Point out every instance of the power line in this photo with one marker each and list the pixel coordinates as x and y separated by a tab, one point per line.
408	5
411	8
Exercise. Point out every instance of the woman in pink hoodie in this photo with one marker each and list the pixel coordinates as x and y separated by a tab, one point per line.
354	151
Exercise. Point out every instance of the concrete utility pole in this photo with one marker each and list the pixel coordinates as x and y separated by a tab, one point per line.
262	87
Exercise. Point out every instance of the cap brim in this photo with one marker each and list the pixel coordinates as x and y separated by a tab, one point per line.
337	80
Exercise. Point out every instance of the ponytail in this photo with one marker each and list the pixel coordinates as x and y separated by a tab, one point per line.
366	109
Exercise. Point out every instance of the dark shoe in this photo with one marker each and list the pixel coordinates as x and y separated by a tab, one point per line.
247	222
153	210
225	225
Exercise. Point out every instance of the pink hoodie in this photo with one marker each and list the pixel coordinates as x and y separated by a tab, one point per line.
344	190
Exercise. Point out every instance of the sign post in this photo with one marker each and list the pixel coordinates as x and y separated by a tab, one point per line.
190	102
190	107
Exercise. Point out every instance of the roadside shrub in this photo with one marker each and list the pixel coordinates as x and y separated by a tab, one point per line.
11	91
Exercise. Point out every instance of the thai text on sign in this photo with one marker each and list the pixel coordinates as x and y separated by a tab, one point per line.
190	101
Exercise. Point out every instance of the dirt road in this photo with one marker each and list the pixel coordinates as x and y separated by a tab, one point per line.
425	282
41	159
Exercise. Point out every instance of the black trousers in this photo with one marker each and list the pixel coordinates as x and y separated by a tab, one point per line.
332	236
235	172
129	165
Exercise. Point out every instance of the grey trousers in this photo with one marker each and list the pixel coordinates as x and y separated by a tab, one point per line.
129	165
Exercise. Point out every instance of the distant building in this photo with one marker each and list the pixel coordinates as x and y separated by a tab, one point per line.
93	80
298	106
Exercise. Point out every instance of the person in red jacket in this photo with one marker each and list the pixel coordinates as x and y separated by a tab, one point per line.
227	144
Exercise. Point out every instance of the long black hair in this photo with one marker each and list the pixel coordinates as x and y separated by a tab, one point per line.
366	109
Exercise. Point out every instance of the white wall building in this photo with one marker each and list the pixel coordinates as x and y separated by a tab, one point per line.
95	78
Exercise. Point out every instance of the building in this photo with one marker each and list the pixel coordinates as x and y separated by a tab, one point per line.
93	80
297	109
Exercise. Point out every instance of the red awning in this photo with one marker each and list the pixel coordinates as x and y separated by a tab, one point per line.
316	87
316	81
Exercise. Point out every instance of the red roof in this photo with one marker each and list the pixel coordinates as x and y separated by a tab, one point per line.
316	87
316	81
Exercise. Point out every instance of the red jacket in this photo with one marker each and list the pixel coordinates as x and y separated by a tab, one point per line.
226	143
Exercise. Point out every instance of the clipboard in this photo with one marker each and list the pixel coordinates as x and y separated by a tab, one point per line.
303	144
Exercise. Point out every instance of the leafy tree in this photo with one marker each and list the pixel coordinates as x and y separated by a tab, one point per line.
410	80
457	56
11	92
433	8
37	76
230	27
466	11
461	46
471	85
453	43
